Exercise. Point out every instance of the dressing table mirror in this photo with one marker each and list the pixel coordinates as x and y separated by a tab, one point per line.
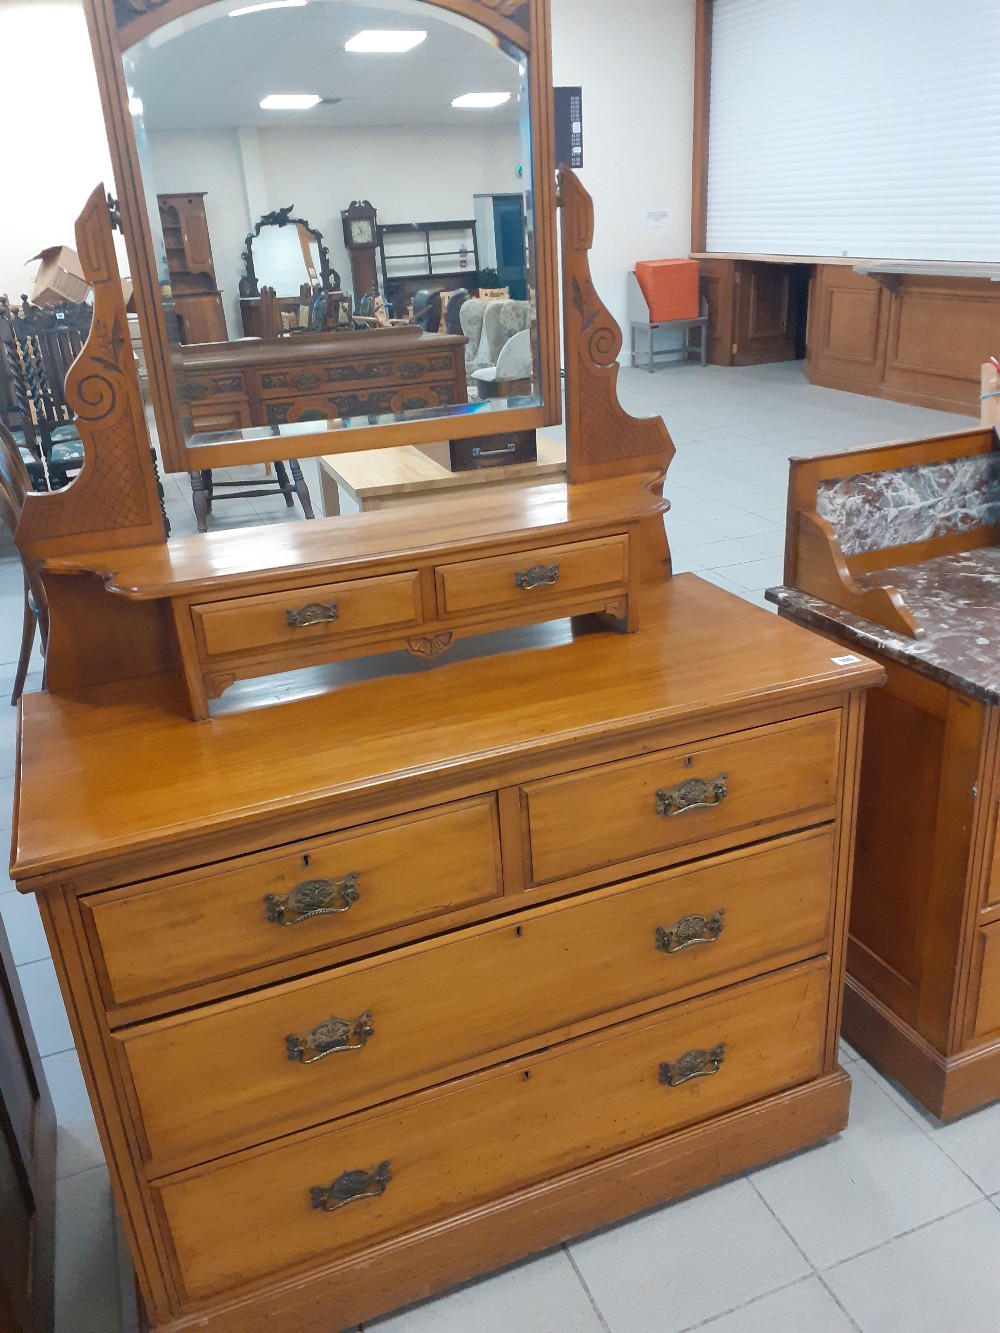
385	981
258	105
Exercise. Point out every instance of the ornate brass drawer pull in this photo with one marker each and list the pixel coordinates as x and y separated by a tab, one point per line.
693	1064
538	576
313	897
305	379
316	613
690	930
351	1187
694	794
331	1037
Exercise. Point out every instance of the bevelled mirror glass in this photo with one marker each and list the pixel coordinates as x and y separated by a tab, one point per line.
259	127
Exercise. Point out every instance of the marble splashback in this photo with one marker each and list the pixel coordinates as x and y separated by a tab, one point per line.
874	510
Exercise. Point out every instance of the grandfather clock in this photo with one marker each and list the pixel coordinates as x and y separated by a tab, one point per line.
361	238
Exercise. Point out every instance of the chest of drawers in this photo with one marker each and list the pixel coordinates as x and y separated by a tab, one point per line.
366	1012
319	377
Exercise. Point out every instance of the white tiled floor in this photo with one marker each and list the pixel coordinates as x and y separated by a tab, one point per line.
894	1227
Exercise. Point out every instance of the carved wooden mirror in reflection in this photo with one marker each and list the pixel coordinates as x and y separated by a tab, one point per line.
287	256
256	106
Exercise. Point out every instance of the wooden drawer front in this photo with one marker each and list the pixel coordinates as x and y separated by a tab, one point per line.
329	610
609	814
532	976
482	1138
348	402
510	580
177	932
988	1001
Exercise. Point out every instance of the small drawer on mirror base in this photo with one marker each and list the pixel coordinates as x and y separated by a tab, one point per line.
519	579
301	615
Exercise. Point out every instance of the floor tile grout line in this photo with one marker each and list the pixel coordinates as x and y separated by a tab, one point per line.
839	1304
749	1178
583	1283
910	1231
762	1296
926	1130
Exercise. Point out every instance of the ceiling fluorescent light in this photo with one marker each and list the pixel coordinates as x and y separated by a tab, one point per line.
290	101
385	39
481	99
267	4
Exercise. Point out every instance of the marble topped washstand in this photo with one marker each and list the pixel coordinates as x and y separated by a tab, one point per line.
895	552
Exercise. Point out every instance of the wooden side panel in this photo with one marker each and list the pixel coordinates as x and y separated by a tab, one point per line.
847	326
917	817
940	330
987	1011
718	288
27	1168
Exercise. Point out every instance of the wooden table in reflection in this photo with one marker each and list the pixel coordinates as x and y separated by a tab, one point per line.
385	478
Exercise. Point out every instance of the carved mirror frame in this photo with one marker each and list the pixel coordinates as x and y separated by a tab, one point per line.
249	284
116	25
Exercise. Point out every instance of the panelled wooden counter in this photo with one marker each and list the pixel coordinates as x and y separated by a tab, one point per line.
321	376
380	989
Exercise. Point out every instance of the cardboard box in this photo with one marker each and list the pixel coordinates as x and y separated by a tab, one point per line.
59	277
670	287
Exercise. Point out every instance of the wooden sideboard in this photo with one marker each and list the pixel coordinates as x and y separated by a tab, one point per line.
321	376
894	552
559	938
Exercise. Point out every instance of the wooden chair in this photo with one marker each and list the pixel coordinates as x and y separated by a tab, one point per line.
39	344
15	483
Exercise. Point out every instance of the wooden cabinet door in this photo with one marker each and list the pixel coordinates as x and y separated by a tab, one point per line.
765	323
27	1167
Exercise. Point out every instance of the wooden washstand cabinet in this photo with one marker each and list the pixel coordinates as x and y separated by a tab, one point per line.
380	986
893	552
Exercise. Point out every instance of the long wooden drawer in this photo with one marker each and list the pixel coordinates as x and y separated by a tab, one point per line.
522	577
302	615
309	1050
431	1155
166	934
636	807
987	1011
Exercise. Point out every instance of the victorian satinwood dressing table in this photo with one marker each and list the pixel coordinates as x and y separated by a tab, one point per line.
384	985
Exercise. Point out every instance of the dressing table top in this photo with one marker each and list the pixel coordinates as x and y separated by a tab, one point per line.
132	773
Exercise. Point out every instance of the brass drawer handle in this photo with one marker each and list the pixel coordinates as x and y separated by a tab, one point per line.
694	794
538	576
315	613
313	897
693	1064
351	1187
331	1037
305	380
690	930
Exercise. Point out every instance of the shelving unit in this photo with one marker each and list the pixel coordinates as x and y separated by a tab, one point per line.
427	262
188	248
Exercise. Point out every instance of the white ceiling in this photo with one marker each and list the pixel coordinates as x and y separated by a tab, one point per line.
210	71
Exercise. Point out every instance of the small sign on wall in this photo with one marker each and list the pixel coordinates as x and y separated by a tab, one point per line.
655	219
569	127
